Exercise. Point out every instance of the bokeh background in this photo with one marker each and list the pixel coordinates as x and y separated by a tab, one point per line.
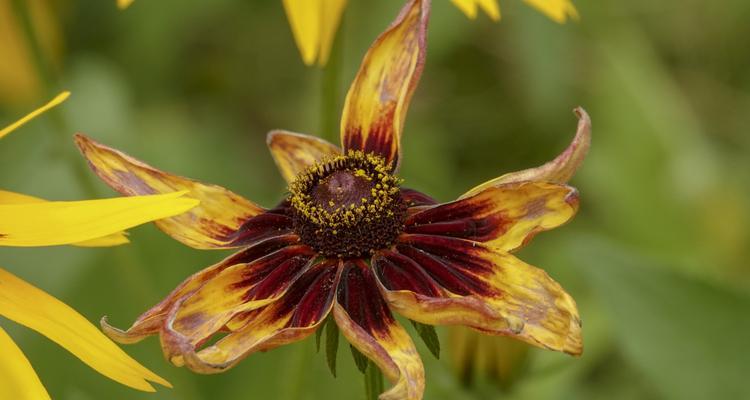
657	257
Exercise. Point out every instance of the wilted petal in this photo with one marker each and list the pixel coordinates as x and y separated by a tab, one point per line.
559	170
57	100
17	378
214	224
504	217
314	24
365	320
471	284
294	152
469	7
293	317
35	309
151	321
557	10
65	222
239	288
378	99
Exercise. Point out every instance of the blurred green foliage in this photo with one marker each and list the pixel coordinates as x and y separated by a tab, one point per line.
657	258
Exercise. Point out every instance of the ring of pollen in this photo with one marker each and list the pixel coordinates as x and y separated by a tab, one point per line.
347	205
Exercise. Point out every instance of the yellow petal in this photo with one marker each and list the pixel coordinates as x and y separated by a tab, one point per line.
214	224
379	97
330	15
37	310
468	7
123	4
491	8
114	239
314	24
65	222
57	100
18	380
557	10
559	170
294	152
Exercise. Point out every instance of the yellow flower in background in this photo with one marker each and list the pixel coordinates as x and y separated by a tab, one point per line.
314	22
28	221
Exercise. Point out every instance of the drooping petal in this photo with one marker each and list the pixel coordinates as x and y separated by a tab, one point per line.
150	322
239	288
37	310
294	152
450	281
504	217
65	222
365	320
52	103
293	317
379	97
469	7
559	170
314	24
557	10
17	378
212	225
114	239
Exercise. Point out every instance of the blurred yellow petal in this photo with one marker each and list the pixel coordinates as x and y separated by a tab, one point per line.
37	310
559	170
470	7
557	10
57	100
18	381
314	24
330	15
123	4
114	239
65	222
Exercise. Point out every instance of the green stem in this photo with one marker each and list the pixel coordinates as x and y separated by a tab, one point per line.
330	93
373	381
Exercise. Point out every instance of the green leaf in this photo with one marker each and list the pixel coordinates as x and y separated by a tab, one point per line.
429	337
373	381
359	359
332	344
689	337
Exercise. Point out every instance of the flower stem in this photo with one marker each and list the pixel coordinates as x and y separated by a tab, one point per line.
373	381
330	96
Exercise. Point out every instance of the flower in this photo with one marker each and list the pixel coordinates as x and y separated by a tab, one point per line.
350	242
29	221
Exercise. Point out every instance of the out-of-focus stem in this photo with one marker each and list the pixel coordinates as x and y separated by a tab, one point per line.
330	96
373	381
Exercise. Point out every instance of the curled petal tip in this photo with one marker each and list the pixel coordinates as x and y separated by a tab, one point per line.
117	334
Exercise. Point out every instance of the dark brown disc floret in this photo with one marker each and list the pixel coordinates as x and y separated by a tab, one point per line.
347	206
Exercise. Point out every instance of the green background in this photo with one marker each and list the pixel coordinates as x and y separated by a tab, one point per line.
656	258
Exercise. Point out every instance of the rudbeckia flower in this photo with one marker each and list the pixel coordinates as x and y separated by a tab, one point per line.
350	241
29	221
